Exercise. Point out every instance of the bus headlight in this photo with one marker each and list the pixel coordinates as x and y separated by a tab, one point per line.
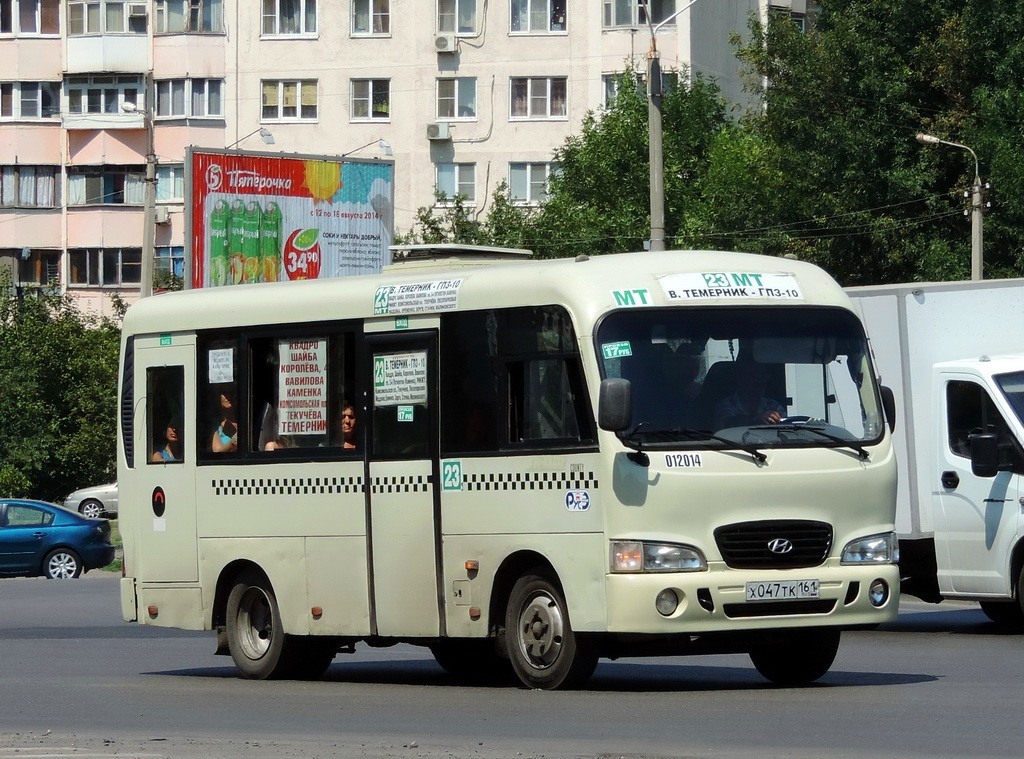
637	556
874	549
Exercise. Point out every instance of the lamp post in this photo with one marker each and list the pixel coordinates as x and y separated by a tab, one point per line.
977	204
149	195
656	156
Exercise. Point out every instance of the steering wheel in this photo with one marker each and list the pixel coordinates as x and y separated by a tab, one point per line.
794	419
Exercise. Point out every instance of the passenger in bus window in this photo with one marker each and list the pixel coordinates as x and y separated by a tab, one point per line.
348	425
749	404
172	450
277	444
225	437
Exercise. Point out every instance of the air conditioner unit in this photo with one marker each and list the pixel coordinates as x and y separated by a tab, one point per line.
444	43
138	10
439	130
161	215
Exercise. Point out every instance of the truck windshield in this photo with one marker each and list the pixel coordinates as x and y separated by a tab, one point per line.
1012	385
748	378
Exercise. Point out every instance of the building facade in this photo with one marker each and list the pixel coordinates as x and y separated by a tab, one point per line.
96	95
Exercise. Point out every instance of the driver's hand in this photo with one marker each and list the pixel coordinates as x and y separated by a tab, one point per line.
772	417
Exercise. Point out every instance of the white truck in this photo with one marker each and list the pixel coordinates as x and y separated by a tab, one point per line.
953	354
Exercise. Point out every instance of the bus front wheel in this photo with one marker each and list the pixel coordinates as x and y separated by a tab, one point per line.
255	633
796	657
544	651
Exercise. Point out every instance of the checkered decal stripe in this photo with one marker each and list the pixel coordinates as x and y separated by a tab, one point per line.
530	481
419	483
287	485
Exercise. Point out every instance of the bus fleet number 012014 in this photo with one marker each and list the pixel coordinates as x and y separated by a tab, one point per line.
683	461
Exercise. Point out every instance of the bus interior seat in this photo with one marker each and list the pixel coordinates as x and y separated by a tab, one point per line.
719	383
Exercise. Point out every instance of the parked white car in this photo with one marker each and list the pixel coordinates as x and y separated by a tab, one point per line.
94	502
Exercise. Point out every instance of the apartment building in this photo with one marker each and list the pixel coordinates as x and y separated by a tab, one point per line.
463	94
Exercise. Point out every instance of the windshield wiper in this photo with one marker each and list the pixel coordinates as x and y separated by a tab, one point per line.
858	447
692	434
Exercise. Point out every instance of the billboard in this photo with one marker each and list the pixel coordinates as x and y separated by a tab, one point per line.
266	217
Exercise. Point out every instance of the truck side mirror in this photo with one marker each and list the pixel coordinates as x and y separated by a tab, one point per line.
889	406
615	404
984	454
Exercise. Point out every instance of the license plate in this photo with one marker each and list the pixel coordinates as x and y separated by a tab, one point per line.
782	590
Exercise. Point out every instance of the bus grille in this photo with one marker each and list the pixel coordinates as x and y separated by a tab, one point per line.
796	544
779	608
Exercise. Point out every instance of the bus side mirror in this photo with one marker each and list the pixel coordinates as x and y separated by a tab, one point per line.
889	406
984	454
615	404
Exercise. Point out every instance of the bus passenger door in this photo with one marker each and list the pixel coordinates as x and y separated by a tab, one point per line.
404	500
165	463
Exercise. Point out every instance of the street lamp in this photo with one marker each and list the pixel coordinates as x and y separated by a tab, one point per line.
656	156
265	134
149	196
977	204
383	145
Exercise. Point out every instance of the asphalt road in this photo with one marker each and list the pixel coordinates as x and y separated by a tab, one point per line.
77	681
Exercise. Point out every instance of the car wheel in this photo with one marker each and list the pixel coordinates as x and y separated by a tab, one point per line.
1004	613
91	509
255	633
62	564
796	657
544	651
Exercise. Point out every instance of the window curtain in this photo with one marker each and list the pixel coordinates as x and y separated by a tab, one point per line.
134	194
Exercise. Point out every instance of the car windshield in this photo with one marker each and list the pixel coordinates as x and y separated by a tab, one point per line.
1012	386
747	378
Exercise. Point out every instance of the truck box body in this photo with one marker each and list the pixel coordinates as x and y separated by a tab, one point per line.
924	336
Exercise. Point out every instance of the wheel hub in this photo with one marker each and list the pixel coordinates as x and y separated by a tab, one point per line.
541	627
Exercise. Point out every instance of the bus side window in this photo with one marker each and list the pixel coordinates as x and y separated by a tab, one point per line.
165	403
219	420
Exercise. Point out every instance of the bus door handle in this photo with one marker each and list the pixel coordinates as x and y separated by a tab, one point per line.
950	480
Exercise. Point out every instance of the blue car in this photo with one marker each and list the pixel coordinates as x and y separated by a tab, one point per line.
39	538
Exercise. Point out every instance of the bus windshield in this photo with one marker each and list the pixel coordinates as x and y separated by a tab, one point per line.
743	377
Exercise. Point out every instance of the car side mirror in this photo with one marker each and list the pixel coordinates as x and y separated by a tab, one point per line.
889	407
984	454
615	404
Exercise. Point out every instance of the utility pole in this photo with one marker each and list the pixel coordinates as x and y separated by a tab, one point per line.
149	197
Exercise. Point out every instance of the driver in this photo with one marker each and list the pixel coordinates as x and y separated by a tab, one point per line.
749	405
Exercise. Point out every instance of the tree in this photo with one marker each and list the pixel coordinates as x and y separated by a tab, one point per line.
58	368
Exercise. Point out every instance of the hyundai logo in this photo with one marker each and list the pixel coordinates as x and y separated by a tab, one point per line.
780	545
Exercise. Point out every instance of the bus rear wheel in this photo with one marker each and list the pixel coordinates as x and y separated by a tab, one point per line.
255	633
796	657
544	651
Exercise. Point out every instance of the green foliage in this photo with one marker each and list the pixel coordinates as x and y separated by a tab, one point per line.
58	368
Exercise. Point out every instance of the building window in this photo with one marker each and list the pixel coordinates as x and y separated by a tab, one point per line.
538	97
289	17
612	82
537	16
189	16
28	186
371	17
103	93
457	179
618	13
29	100
170	183
457	16
188	97
169	262
105	267
289	100
106	185
799	20
106	17
456	98
371	99
29	17
528	182
37	268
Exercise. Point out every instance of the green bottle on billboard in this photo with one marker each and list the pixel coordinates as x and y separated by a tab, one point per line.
270	242
235	237
220	218
251	243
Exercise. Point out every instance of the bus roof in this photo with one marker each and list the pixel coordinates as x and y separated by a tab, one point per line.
587	286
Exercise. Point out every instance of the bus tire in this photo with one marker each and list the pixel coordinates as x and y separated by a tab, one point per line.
796	657
473	660
255	633
544	651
